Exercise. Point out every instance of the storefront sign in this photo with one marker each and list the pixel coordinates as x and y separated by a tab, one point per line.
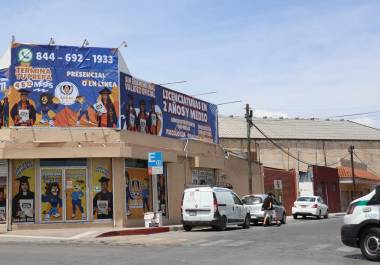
155	163
153	109
64	86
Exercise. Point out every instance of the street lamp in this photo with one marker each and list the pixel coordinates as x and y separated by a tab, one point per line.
171	83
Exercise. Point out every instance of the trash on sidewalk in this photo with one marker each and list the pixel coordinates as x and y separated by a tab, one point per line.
153	219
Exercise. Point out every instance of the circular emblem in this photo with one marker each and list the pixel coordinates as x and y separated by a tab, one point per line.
25	55
66	92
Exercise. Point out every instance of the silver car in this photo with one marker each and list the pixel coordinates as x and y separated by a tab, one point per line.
255	203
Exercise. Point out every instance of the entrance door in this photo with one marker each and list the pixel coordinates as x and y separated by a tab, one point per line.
63	194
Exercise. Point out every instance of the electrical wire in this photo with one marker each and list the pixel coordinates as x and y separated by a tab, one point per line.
370	169
287	152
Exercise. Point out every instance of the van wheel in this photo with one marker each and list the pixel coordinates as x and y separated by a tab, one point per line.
326	215
187	227
223	223
295	216
319	214
370	243
247	222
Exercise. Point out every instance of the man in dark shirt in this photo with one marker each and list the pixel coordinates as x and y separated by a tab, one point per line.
23	202
269	210
103	201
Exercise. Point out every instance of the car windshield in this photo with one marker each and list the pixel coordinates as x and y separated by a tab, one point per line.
306	199
253	200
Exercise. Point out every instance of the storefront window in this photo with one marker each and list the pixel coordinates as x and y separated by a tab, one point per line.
76	199
203	176
138	189
3	190
102	188
51	195
23	177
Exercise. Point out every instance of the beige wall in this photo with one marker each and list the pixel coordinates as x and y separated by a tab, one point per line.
313	151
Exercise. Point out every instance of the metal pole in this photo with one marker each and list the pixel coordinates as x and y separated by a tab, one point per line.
351	150
248	116
155	193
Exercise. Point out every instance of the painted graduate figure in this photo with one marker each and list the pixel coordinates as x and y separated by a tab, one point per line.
107	117
103	201
153	118
131	116
23	202
142	118
23	112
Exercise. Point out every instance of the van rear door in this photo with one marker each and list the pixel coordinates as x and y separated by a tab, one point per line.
198	203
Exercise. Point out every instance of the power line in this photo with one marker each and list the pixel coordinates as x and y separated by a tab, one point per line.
370	169
287	152
354	114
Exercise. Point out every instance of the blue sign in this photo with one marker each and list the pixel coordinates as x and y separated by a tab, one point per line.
154	109
4	82
65	86
155	159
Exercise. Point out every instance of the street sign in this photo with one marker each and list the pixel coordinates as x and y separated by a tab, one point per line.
277	183
155	163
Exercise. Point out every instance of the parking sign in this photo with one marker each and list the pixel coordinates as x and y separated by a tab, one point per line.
155	163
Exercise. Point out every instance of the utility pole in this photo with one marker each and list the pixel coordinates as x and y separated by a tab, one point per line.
351	151
248	118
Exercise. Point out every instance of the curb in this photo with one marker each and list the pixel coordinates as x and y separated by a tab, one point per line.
138	231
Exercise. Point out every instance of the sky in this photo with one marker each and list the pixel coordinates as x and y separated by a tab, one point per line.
305	59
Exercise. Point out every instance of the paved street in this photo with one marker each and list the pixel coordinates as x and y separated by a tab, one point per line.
298	242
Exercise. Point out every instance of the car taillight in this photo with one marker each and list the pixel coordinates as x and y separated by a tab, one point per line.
215	204
351	208
314	206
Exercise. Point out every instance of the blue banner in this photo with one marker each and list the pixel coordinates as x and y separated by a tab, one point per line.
4	82
64	86
153	109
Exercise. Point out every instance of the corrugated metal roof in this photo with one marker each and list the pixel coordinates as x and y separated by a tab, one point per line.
236	127
345	172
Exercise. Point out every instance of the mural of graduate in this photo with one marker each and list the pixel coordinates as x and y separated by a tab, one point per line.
106	112
130	115
23	202
142	121
5	113
23	112
153	119
47	108
103	201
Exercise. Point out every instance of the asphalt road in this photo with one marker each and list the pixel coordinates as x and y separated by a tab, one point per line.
298	242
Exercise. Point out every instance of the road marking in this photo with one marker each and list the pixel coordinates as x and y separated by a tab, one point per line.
238	243
197	242
319	247
345	249
217	242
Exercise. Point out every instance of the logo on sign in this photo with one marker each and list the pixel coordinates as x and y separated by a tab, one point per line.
25	55
66	92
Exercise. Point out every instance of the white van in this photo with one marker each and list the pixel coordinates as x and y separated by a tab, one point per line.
361	227
213	206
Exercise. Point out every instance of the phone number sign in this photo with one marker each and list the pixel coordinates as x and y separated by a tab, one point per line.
155	163
65	56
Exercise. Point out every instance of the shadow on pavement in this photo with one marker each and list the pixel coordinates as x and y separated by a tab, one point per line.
355	256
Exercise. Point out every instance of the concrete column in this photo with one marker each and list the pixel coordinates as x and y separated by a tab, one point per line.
119	214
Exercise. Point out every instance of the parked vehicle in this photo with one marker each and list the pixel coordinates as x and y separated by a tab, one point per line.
361	227
213	206
310	206
255	203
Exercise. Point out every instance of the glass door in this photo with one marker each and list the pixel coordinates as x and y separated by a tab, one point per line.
76	199
51	195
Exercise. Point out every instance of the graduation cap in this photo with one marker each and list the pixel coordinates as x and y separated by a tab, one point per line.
23	91
104	179
105	91
23	179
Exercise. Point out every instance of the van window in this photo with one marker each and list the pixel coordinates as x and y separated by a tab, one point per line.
237	199
224	197
251	200
196	197
306	199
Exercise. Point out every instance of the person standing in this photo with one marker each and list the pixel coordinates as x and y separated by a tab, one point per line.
268	209
142	125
